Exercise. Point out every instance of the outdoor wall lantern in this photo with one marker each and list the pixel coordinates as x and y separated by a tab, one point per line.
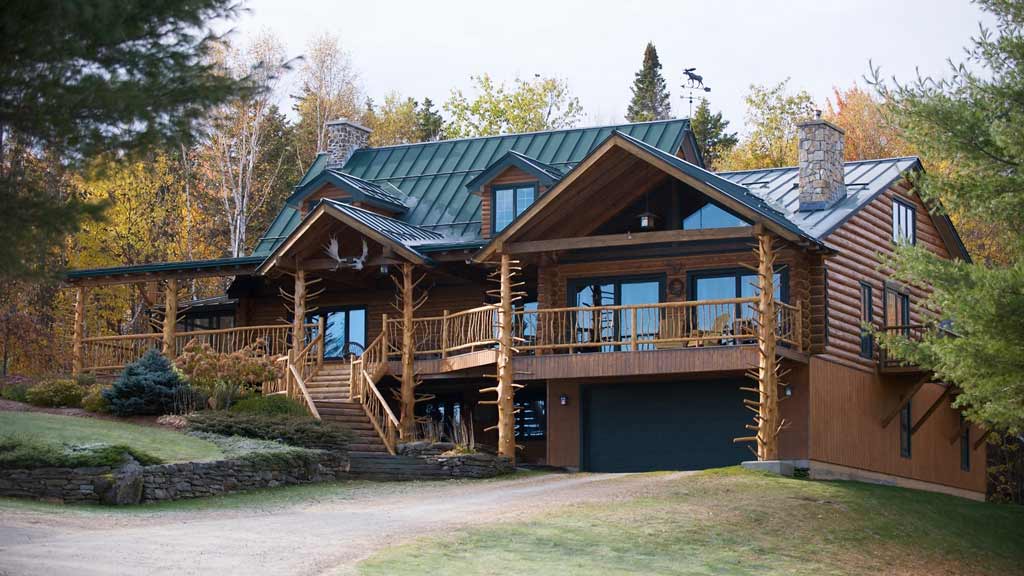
563	400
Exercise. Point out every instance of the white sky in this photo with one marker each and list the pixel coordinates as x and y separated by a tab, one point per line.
424	49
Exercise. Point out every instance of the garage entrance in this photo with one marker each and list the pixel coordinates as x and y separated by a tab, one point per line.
638	427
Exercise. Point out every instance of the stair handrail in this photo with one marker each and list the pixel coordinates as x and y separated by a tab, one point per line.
363	389
302	368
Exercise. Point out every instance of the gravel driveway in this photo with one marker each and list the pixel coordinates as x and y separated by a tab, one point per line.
328	534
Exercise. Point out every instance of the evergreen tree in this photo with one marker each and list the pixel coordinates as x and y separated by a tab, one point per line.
429	122
650	92
709	129
973	124
79	81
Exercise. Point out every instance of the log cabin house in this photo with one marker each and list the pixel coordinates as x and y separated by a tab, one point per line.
592	299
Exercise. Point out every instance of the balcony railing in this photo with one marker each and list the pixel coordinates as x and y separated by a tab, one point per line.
914	332
636	327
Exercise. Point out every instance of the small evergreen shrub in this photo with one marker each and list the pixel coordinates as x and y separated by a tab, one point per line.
56	393
277	405
15	389
304	431
94	401
147	386
20	453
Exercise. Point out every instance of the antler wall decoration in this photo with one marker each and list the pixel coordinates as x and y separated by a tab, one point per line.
333	251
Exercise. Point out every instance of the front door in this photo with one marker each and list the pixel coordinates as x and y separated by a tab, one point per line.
344	332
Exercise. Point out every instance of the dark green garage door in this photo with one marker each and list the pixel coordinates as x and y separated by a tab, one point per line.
637	427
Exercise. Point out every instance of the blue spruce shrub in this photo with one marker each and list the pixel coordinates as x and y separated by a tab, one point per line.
147	386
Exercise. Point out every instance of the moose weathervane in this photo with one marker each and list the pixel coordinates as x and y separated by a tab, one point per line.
693	82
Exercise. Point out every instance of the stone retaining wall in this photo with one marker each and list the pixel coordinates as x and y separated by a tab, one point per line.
437	461
131	483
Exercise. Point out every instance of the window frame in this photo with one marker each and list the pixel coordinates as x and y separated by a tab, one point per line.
743	221
903	294
906	430
347	310
535	185
898	205
867	316
694	275
573	285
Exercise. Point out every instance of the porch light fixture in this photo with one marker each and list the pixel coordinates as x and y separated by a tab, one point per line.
563	400
646	221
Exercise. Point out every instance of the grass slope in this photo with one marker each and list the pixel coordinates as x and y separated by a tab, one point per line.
166	445
737	522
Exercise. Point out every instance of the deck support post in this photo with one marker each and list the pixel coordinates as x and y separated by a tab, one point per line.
170	315
407	414
299	311
506	406
767	420
78	333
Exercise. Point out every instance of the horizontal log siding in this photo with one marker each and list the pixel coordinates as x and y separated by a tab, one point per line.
847	405
510	175
271	310
859	241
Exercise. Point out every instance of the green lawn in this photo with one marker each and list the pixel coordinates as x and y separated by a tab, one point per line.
167	445
736	522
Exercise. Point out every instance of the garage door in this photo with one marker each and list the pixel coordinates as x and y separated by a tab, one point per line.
634	427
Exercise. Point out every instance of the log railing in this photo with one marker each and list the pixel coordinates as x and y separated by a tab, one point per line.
302	366
363	388
455	333
111	353
663	325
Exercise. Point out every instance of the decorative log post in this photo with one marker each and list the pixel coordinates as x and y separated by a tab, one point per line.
170	316
506	406
769	421
407	417
78	332
299	313
321	327
444	335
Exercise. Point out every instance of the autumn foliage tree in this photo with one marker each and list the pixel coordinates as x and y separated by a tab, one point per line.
527	106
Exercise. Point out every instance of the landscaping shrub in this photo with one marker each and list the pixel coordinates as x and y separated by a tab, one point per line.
189	399
147	386
20	452
245	368
62	393
15	388
277	405
94	401
304	431
85	379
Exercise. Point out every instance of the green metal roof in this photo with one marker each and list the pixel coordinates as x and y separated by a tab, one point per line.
433	175
158	267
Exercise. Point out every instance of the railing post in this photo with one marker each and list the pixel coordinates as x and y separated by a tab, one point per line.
170	316
799	326
321	327
384	335
633	316
78	333
444	335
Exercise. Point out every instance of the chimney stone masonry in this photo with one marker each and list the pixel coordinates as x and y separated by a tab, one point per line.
821	149
343	138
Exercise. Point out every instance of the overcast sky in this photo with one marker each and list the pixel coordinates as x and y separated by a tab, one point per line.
424	49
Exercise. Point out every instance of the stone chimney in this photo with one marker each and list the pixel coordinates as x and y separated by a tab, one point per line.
821	152
343	138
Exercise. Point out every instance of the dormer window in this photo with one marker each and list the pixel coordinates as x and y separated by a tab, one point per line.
710	215
510	202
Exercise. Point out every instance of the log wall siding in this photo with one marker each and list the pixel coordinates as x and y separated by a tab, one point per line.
847	405
272	310
510	175
859	241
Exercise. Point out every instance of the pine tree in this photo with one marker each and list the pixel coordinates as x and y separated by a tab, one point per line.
429	121
970	127
79	81
709	129
650	92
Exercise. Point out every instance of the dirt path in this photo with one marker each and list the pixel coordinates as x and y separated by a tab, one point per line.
328	536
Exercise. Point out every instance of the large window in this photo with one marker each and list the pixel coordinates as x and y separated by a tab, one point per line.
904	222
611	325
712	216
344	332
207	321
905	430
867	310
897	309
725	284
511	201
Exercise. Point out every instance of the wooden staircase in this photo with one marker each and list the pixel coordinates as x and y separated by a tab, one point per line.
329	390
